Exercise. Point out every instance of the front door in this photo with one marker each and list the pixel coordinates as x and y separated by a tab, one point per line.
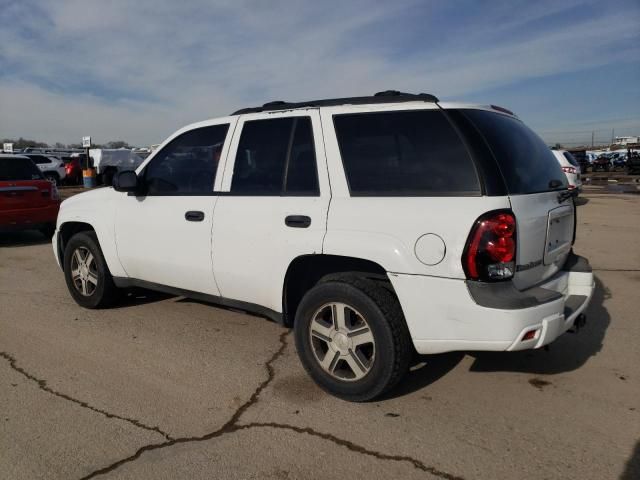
274	204
164	235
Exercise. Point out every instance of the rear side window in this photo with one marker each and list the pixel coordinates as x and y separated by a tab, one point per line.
276	157
40	159
525	161
18	169
188	164
571	159
409	153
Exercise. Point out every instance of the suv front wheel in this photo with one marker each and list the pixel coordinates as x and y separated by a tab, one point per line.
86	273
352	338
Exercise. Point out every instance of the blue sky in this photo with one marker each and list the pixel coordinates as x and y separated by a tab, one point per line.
139	70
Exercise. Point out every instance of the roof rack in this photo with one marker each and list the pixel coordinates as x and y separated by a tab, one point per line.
388	96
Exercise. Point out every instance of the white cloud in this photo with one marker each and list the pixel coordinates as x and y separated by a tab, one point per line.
138	70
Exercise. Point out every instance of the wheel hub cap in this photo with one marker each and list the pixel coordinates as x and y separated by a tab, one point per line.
342	341
84	271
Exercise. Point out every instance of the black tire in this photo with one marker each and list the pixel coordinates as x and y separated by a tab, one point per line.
48	230
105	293
107	177
381	309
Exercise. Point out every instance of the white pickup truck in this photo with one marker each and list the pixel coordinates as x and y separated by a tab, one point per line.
376	227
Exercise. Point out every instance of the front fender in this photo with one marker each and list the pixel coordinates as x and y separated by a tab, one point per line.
97	209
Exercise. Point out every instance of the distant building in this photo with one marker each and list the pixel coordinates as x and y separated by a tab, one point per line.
626	140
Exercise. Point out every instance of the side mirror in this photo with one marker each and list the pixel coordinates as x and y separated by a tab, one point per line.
126	181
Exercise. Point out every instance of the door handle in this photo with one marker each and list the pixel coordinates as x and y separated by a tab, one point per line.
297	221
194	216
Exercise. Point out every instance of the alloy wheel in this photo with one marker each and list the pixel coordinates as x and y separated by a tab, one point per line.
84	271
342	341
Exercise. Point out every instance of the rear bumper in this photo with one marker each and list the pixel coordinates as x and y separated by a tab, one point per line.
447	314
28	218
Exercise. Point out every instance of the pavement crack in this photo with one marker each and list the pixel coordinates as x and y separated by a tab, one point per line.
353	447
229	427
232	426
42	385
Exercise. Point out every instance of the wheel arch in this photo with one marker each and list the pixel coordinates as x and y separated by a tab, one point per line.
68	230
306	271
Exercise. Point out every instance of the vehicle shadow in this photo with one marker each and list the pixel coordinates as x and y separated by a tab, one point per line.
140	296
426	369
581	201
23	238
632	469
567	353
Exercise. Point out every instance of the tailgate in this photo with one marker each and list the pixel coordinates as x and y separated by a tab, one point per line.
20	195
545	234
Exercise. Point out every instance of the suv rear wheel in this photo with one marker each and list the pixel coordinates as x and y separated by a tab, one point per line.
352	338
86	273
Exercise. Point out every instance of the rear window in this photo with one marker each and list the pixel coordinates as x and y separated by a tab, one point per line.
571	159
409	153
526	162
18	169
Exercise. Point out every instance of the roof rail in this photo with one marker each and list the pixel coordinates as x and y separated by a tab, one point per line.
387	96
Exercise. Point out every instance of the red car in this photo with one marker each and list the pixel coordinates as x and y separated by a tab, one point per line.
27	200
73	169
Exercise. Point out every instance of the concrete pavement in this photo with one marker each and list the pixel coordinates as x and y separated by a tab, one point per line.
163	387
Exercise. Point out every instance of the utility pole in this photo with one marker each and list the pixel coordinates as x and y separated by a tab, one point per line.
613	131
592	134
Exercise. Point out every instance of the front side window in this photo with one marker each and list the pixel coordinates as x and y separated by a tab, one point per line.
276	157
188	164
407	153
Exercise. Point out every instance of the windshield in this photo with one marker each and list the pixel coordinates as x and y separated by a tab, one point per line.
18	169
525	161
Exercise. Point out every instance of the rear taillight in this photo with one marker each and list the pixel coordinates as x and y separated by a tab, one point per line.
569	170
490	252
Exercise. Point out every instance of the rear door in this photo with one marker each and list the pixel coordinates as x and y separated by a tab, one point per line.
274	204
534	180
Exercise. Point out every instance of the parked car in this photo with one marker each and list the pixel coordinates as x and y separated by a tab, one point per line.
619	161
633	163
51	167
582	158
570	167
603	162
73	170
374	226
28	201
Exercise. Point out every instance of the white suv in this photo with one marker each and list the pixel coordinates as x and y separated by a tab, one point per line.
376	227
51	167
570	167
